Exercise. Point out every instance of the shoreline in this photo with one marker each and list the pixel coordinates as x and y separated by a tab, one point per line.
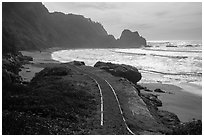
171	102
175	78
40	58
185	105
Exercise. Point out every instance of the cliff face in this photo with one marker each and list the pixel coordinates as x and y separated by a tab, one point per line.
131	39
27	26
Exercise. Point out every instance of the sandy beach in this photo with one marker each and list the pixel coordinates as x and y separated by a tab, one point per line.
40	58
185	105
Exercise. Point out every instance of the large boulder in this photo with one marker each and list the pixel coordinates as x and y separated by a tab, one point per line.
77	63
121	70
159	90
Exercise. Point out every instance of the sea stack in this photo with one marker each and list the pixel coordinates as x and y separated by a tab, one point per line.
131	39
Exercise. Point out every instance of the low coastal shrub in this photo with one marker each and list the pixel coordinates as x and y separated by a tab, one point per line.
48	105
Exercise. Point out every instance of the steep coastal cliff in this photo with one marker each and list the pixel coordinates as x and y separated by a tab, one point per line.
29	26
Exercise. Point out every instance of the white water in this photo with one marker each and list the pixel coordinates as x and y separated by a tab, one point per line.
158	63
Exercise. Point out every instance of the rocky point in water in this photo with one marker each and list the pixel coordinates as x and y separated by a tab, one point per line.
129	39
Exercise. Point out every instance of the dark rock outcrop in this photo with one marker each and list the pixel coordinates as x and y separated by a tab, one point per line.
152	99
189	46
77	63
169	119
11	64
126	71
189	128
159	90
130	39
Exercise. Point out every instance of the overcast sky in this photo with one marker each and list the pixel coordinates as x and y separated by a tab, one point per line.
154	21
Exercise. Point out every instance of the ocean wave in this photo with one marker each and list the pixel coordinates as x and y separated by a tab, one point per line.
194	51
144	54
163	69
177	57
181	73
140	54
171	46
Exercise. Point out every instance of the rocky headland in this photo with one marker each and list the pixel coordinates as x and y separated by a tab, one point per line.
30	26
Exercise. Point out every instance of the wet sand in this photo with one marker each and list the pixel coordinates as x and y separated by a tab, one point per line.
40	60
185	105
28	71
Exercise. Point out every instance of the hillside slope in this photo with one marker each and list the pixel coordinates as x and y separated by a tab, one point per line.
29	26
